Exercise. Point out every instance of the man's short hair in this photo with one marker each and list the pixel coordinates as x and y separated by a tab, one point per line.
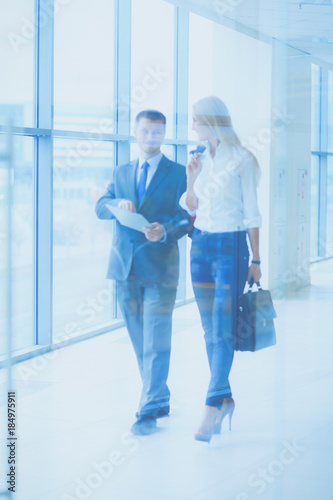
151	114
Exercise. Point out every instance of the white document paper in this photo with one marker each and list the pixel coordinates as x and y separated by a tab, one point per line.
130	219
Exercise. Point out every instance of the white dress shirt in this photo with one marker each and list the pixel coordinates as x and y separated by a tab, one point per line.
226	191
153	164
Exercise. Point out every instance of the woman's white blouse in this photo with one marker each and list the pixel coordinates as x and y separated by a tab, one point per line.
226	192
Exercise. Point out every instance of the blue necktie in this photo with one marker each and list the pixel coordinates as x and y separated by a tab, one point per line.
142	181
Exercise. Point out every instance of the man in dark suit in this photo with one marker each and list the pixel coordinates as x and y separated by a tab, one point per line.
146	264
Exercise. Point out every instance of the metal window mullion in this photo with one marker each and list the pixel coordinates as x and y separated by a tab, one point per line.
43	173
181	71
122	85
77	134
122	91
322	222
181	51
323	110
319	153
26	131
8	316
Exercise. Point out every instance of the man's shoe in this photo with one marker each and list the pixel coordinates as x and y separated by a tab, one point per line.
164	411
144	426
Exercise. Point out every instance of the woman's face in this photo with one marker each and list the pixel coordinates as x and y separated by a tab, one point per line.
201	130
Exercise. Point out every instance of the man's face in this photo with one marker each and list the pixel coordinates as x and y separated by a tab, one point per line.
150	135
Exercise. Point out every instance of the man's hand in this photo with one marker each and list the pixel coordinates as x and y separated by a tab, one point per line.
154	233
127	205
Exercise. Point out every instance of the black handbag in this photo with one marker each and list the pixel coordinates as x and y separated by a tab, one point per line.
255	320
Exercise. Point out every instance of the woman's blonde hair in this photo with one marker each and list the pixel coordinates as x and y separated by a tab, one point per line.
212	113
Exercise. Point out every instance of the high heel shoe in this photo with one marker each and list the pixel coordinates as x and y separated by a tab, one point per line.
205	430
228	408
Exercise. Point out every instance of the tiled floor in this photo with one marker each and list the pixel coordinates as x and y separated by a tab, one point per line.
74	413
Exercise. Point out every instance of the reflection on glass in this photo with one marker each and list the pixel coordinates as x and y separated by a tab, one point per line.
22	242
152	59
82	298
17	35
314	206
83	66
315	105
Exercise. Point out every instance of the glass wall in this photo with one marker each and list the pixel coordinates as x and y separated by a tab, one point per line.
17	34
87	67
224	72
18	196
17	50
81	242
83	66
123	60
152	59
200	59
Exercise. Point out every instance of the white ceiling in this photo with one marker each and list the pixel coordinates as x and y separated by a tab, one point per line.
309	28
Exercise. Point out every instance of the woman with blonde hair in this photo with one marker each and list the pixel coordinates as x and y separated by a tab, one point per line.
221	193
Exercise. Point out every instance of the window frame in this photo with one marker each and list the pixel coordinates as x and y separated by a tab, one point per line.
322	154
43	134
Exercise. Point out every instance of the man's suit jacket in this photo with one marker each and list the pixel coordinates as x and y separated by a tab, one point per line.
153	262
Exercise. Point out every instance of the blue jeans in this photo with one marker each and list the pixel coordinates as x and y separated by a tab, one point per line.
219	267
147	311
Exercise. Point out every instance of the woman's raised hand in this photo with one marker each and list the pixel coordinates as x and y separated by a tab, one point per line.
193	169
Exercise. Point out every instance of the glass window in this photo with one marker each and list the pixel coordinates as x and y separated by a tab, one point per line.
200	59
22	241
83	298
314	206
315	111
83	66
330	111
152	58
329	222
224	57
17	34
